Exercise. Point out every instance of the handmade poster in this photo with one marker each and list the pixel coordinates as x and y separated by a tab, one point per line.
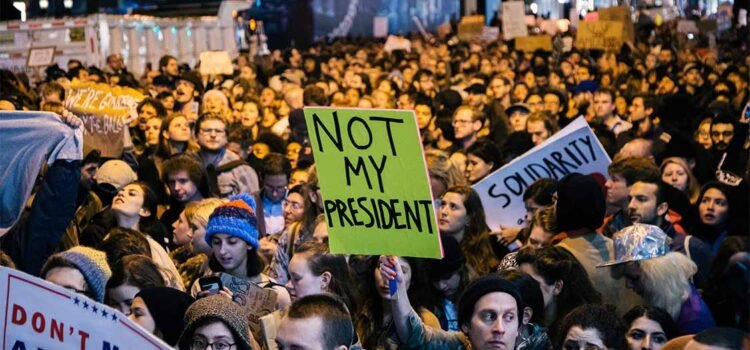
619	14
514	24
574	149
216	62
533	43
394	43
40	56
373	178
602	35
256	301
470	27
687	26
37	314
105	111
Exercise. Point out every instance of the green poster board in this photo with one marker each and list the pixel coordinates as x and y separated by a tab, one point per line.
373	178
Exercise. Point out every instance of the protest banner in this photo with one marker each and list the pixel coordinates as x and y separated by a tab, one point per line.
533	43
470	27
603	35
40	56
105	111
620	14
574	149
257	301
514	24
394	43
373	178
490	34
216	62
40	315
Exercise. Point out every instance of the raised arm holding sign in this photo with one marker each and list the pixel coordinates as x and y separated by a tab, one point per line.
373	179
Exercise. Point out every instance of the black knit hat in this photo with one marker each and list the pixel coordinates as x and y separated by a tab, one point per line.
217	307
481	287
580	203
167	307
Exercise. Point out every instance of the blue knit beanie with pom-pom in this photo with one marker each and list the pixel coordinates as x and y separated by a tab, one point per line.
236	218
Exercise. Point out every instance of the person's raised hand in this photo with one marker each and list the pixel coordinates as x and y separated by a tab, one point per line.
390	269
69	118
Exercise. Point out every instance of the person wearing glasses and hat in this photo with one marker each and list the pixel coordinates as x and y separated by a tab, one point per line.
661	277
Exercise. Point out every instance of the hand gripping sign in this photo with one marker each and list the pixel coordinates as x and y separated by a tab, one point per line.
39	315
373	178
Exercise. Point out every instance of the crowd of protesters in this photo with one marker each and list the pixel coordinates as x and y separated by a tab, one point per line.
219	177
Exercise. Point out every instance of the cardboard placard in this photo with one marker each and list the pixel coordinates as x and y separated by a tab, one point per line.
603	35
470	27
216	62
40	315
373	178
104	111
514	24
394	43
257	301
533	43
40	56
573	149
619	14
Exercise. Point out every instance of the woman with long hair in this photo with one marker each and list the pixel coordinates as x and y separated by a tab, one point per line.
722	212
130	275
300	212
461	215
134	207
482	158
676	172
174	137
314	270
564	282
374	323
232	233
648	328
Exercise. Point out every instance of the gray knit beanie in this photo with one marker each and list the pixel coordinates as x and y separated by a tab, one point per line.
222	309
91	263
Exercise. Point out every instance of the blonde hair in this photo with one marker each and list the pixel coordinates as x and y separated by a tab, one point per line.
546	219
693	190
197	213
666	281
441	167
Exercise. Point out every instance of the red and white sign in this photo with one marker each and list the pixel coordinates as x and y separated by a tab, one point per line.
39	315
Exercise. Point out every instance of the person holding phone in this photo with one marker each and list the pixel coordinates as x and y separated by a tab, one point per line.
232	233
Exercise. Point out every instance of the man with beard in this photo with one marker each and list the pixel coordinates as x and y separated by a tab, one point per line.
728	139
187	93
642	112
647	204
623	173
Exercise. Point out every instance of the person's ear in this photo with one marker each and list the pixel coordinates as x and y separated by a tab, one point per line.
165	134
662	209
144	212
527	314
465	328
341	347
325	280
558	287
477	124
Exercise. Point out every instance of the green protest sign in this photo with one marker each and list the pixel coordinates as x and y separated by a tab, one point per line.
373	178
